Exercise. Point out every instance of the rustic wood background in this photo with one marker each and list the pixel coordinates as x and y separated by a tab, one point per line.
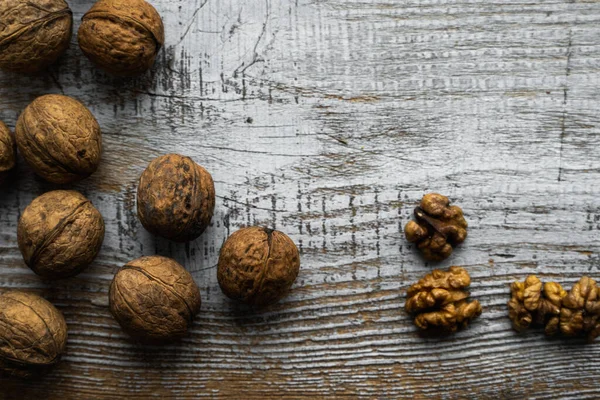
328	120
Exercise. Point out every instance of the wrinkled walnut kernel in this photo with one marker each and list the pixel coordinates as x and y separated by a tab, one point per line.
60	233
33	334
175	198
524	301
59	138
580	310
33	33
258	266
121	36
438	228
576	313
8	152
154	299
439	301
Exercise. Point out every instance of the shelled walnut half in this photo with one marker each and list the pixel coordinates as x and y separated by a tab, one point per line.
576	313
440	303
438	228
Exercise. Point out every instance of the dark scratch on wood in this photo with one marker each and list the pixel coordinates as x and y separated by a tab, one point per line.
564	115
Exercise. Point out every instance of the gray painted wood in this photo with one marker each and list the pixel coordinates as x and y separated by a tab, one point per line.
329	120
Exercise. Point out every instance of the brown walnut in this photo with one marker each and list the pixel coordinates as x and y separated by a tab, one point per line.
524	302
258	266
439	301
439	227
33	33
175	198
59	138
122	36
576	313
8	152
33	334
154	299
60	233
580	312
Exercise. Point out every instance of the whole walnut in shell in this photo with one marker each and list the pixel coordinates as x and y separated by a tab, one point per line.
154	299
122	36
439	301
59	138
33	334
8	152
175	198
258	266
438	228
33	33
60	233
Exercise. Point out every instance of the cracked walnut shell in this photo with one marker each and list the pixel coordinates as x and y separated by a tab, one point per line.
8	152
258	266
60	233
122	36
438	228
439	301
154	299
175	198
33	33
33	334
59	138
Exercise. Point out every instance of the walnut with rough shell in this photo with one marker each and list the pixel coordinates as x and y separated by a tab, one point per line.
33	334
59	138
438	228
122	36
154	299
33	33
175	198
60	233
258	266
8	152
439	301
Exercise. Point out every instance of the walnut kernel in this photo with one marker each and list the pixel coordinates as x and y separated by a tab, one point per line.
439	301
438	228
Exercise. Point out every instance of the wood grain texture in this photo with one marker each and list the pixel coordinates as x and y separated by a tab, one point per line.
329	120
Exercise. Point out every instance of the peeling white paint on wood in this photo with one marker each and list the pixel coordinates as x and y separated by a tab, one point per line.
329	120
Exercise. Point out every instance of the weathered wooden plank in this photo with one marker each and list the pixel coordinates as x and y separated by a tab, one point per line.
329	120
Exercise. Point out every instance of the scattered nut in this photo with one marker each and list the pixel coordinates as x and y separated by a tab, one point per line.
175	198
122	36
8	152
258	266
33	33
576	313
60	233
439	301
154	299
59	138
33	334
438	229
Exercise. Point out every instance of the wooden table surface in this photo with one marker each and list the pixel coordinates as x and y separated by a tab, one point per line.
329	120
